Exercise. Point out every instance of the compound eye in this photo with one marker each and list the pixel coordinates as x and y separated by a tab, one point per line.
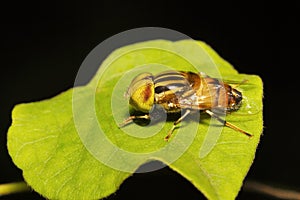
141	77
141	92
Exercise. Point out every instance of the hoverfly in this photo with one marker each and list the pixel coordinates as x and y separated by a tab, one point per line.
179	90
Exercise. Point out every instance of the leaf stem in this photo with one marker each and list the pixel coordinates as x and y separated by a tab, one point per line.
11	188
262	188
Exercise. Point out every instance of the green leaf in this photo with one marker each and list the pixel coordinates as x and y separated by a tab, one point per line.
71	147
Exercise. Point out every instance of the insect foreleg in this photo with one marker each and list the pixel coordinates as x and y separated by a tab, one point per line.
227	123
175	123
131	118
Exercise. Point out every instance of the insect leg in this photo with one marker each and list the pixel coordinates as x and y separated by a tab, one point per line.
241	83
131	118
175	123
227	123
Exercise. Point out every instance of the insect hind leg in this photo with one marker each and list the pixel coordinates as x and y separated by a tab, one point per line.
227	123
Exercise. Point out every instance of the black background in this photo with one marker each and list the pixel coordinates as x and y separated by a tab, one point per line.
43	45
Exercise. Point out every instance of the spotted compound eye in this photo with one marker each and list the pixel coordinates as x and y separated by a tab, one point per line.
141	92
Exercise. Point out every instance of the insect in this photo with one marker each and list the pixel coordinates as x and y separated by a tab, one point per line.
187	91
